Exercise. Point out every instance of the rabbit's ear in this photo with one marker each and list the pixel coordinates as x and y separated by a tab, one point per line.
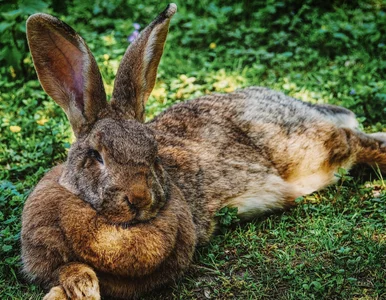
138	70
67	70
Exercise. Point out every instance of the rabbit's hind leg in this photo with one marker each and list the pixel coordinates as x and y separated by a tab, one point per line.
372	149
264	193
314	162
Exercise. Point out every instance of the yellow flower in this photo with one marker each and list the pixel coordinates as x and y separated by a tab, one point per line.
27	60
159	93
212	45
108	88
106	56
12	71
15	128
229	89
109	40
42	121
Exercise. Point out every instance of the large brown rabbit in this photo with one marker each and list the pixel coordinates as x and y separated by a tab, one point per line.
124	213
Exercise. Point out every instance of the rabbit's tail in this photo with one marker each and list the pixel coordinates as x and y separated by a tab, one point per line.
372	150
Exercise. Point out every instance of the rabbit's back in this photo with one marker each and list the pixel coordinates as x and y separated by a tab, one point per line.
256	149
256	111
269	106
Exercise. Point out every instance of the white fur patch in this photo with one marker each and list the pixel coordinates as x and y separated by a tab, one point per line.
310	183
268	193
344	121
380	136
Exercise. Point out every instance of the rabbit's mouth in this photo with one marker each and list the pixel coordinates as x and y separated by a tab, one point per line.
141	214
121	212
143	218
132	207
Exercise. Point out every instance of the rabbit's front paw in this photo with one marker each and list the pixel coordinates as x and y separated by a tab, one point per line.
56	293
80	282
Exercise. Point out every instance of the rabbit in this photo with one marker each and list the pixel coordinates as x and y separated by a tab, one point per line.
124	214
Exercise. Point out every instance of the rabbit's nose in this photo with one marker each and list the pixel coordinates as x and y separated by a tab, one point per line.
139	196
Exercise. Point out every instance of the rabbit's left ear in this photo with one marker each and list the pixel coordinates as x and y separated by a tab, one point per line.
67	70
138	70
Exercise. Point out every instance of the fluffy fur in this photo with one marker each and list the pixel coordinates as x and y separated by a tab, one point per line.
124	214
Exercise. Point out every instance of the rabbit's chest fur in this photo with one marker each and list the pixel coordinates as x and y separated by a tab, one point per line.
256	149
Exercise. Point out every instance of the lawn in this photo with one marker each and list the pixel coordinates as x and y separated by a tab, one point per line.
333	245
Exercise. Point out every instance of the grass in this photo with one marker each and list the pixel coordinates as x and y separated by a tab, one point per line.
333	245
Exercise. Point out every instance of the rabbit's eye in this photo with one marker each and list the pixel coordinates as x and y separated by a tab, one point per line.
96	155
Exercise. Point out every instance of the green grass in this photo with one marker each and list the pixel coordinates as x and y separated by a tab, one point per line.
333	245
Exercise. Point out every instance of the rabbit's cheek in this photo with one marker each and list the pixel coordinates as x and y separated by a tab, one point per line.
158	194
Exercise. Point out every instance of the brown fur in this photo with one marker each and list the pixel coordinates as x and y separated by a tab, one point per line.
124	214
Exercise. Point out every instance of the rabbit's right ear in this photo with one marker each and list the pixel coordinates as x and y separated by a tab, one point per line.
138	70
67	70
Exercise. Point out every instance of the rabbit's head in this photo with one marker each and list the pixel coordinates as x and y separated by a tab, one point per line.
113	165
